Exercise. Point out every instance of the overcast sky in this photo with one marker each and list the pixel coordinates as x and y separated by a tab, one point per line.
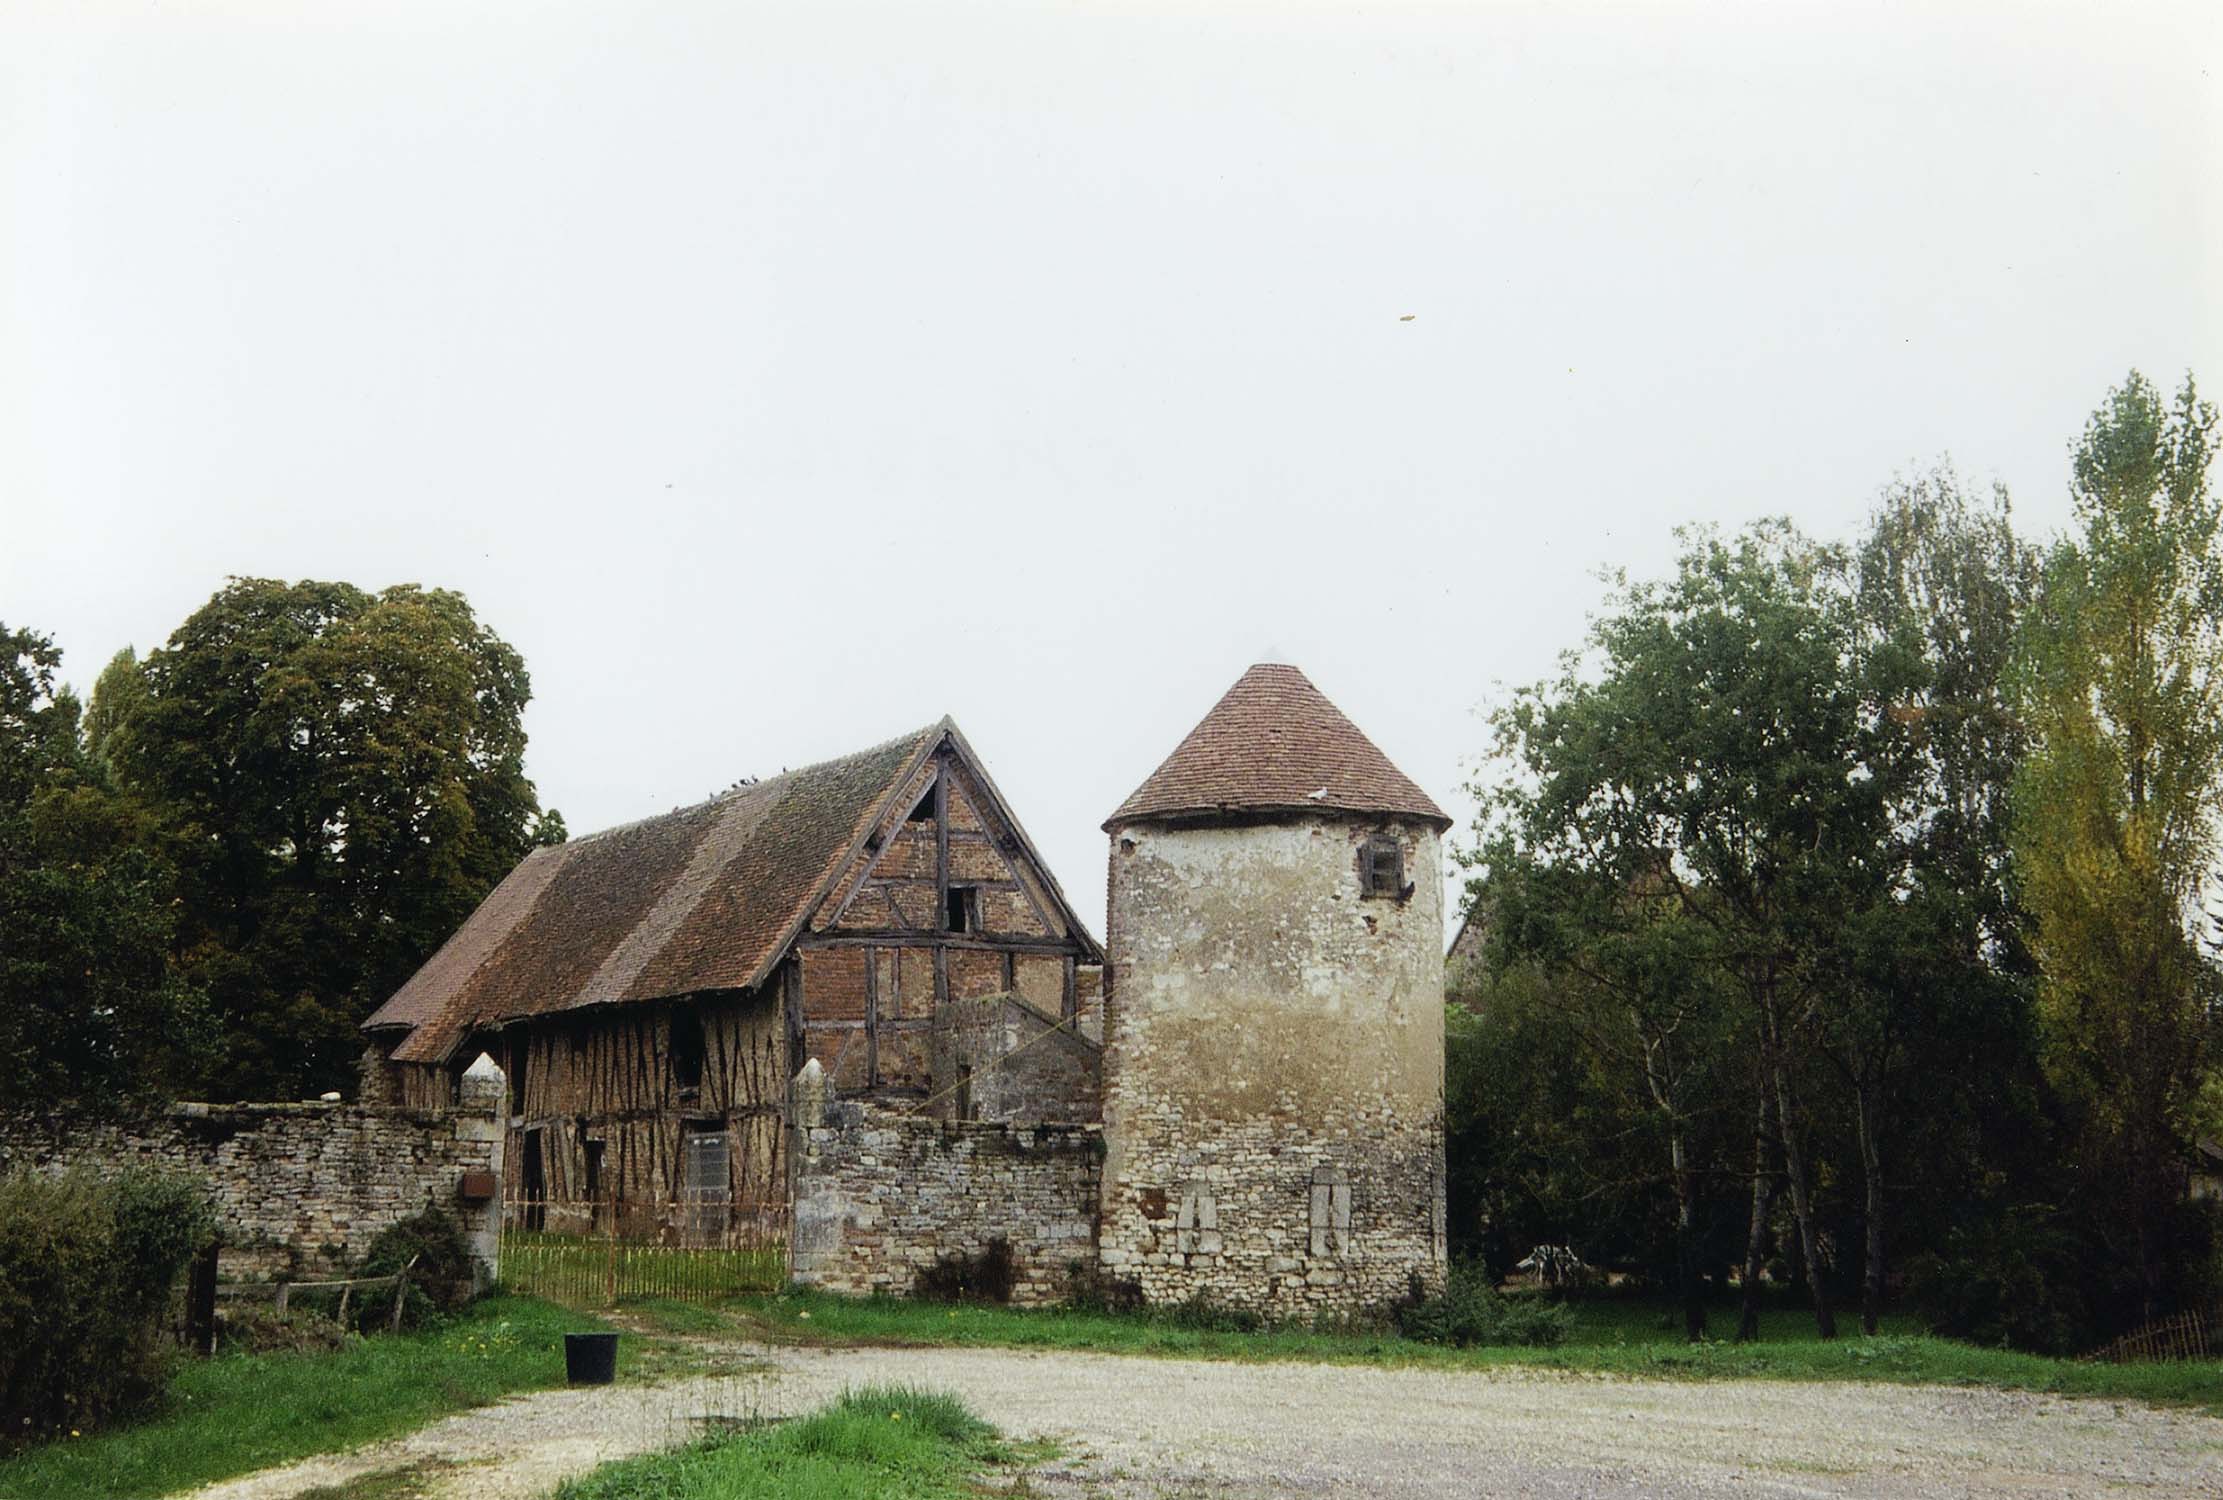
779	378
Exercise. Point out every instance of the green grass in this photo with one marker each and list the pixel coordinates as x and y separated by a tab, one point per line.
882	1441
1609	1336
240	1412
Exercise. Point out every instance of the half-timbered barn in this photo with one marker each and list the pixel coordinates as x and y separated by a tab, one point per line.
651	990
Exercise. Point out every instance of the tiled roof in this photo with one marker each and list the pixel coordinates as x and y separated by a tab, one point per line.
1275	744
702	898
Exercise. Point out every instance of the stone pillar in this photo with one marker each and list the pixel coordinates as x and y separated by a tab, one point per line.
816	1235
478	1117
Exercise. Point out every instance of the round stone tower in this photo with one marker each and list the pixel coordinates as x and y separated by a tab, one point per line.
1273	1064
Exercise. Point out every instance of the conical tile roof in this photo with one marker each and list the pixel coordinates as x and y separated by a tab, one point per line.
1275	743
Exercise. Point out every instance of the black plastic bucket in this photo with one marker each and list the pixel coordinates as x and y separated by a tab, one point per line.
590	1358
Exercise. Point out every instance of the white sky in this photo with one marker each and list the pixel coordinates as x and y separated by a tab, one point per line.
778	378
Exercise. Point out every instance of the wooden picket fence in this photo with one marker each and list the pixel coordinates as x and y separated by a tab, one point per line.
2188	1335
605	1254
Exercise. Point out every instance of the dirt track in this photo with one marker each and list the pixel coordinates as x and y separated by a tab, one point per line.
1150	1427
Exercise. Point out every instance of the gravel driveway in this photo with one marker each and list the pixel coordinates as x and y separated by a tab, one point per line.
1154	1427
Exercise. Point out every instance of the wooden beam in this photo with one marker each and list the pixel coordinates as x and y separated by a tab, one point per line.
872	1017
941	844
896	937
941	878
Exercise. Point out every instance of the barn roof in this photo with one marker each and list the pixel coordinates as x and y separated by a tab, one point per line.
704	897
1275	743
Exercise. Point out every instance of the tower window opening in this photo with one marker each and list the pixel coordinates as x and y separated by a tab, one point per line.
1382	869
924	812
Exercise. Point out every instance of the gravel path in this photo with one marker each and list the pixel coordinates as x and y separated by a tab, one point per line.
1153	1427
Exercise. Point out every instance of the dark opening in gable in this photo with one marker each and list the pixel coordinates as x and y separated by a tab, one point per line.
962	910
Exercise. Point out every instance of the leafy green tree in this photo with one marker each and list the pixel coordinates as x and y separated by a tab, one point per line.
1628	979
93	1019
342	776
118	694
1720	744
1939	585
2117	809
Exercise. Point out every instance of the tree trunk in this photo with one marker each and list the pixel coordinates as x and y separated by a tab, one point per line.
1755	1244
1686	1241
1794	1168
1871	1166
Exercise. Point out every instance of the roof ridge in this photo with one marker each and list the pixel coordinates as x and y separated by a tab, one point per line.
762	783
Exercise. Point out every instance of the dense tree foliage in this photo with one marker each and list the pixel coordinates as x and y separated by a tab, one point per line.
94	1018
340	778
1847	897
249	839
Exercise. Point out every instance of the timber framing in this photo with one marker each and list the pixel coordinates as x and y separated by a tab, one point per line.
651	990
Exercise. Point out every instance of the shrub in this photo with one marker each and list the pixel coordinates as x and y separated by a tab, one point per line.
1471	1312
1091	1289
986	1277
442	1281
1204	1315
88	1270
2017	1281
253	1328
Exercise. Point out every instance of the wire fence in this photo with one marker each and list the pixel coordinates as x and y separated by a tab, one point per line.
597	1255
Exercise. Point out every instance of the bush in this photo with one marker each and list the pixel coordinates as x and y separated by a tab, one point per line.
88	1270
958	1277
1204	1315
252	1328
1091	1289
1471	1312
2017	1281
442	1281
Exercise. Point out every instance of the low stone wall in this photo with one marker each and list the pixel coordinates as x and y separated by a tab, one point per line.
300	1188
880	1197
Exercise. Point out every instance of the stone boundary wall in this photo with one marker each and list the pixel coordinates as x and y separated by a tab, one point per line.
301	1189
880	1197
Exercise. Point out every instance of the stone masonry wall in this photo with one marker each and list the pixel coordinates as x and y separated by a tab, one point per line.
881	1196
1273	1067
300	1188
999	1058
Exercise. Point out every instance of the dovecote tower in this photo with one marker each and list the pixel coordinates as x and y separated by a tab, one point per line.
1273	1067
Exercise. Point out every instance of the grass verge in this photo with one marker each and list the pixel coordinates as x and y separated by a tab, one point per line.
1615	1337
882	1441
240	1412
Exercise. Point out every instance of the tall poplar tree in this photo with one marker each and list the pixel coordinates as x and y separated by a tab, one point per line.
2117	813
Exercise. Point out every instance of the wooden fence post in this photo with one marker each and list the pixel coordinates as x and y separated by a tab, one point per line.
200	1303
401	1292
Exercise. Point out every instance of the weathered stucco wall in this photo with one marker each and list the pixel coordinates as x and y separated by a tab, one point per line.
880	1197
1000	1058
1273	1071
300	1188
